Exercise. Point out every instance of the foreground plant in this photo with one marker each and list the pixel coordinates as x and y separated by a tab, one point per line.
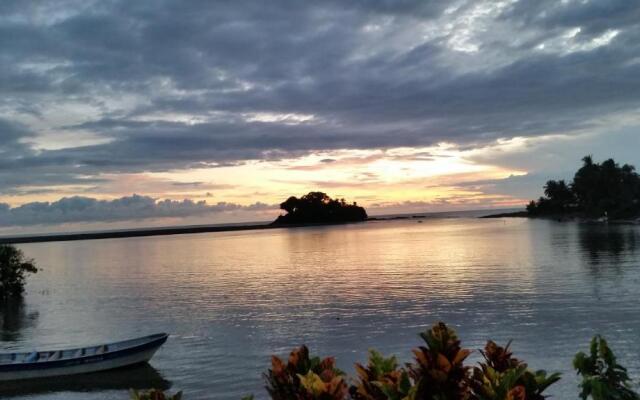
602	377
503	377
439	372
305	378
154	394
381	379
13	270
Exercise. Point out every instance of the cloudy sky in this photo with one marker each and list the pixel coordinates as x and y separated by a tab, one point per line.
134	113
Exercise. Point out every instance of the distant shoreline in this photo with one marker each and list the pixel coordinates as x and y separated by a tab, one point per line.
565	218
182	230
66	237
517	214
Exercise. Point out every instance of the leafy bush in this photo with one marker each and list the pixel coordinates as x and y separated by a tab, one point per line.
13	270
305	378
503	377
602	377
381	379
439	372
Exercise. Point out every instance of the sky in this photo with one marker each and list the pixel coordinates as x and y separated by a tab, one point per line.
119	114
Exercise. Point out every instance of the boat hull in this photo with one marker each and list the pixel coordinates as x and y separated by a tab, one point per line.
82	365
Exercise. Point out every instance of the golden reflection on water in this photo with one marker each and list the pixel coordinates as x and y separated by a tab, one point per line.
231	299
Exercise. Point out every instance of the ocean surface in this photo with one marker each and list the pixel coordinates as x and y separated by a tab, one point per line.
231	299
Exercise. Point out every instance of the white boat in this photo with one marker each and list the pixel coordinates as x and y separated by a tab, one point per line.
44	364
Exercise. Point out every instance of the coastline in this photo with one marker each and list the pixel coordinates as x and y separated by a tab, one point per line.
181	230
516	214
566	218
66	237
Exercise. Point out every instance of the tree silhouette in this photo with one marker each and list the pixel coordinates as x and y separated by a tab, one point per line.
596	190
13	270
318	207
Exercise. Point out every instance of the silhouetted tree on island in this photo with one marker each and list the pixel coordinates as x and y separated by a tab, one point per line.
596	190
317	207
13	270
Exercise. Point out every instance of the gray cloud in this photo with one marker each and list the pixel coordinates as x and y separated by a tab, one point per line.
592	17
374	74
11	134
528	186
128	208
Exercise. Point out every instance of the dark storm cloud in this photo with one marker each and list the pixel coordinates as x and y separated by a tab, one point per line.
87	209
11	145
11	133
223	62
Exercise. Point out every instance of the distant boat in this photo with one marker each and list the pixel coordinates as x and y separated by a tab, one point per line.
44	364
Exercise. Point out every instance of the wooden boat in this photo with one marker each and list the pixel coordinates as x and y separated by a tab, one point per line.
43	364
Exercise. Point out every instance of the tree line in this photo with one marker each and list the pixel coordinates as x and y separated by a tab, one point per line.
597	190
318	207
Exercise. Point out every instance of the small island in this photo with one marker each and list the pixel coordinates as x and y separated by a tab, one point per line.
605	191
319	208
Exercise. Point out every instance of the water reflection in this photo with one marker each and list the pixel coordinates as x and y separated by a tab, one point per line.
14	318
143	376
231	299
610	244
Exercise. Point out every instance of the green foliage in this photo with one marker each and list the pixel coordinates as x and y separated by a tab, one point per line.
602	377
596	190
503	377
317	207
154	394
381	379
439	372
305	378
13	270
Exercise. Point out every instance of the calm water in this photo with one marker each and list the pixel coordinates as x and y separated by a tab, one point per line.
230	300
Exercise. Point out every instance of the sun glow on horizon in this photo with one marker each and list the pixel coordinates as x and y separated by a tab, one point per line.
370	176
367	176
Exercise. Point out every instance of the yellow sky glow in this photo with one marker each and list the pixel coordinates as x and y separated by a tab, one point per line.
435	175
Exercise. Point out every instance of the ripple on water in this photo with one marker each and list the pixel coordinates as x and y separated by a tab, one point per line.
230	300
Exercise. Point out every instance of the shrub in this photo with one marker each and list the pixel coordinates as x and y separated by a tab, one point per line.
381	379
503	377
439	372
305	378
13	270
602	377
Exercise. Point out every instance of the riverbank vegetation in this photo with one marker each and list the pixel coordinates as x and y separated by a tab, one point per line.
602	377
440	371
14	268
319	208
597	190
